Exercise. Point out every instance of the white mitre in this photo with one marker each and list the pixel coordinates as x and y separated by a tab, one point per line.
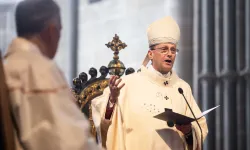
165	30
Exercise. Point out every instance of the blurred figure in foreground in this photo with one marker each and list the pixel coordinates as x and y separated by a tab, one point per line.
45	114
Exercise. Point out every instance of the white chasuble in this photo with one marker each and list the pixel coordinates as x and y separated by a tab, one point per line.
133	126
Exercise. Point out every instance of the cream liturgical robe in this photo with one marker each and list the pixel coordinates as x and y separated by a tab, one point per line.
145	95
43	106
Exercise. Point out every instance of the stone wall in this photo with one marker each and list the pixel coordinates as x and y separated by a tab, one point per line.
63	57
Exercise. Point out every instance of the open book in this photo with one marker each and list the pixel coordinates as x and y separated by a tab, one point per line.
179	119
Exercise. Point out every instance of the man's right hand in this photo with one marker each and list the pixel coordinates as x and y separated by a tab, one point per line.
115	87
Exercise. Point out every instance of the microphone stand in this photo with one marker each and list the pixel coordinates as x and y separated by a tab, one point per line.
181	92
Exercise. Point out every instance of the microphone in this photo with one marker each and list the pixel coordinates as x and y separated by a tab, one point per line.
181	92
170	123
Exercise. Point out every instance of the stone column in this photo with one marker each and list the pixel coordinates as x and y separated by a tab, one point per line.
219	125
75	28
204	54
229	75
241	84
247	70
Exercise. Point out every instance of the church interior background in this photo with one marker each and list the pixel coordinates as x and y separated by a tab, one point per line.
214	55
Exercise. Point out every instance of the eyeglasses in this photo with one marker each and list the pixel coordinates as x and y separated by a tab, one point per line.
165	50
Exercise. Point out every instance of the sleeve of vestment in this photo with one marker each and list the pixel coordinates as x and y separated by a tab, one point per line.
111	132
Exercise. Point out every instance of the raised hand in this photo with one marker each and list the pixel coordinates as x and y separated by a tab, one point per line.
115	87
